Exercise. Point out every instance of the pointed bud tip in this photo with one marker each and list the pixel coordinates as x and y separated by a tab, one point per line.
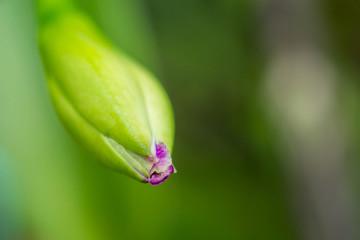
162	167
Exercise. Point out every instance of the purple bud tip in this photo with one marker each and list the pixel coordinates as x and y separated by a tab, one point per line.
162	168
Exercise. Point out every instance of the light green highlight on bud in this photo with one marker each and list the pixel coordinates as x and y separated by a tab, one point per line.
109	103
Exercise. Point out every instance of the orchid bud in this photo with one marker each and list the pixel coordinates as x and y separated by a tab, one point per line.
114	107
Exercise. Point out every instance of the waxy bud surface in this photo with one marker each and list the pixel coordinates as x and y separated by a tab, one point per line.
115	108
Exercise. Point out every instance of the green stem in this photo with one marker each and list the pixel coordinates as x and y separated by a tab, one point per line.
48	9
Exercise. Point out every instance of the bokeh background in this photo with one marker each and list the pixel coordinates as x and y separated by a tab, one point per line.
266	97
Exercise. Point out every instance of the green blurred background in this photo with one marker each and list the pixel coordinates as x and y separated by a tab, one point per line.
266	98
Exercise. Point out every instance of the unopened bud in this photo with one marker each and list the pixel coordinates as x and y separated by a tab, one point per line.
110	104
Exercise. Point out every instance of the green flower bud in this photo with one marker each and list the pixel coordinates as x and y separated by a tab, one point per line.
110	104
